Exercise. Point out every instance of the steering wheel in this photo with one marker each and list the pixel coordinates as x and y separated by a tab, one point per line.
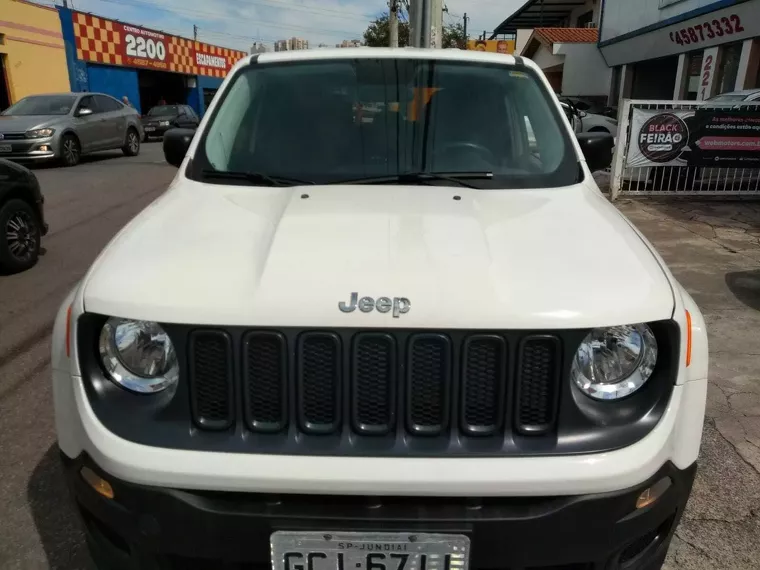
484	153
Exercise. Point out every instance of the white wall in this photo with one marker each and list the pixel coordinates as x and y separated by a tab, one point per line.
522	39
545	59
623	16
585	73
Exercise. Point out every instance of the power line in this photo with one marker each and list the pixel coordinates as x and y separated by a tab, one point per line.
273	4
193	12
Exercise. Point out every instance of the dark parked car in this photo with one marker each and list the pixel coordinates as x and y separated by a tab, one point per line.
164	117
22	220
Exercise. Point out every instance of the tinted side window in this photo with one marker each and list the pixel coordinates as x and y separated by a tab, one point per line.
106	104
88	103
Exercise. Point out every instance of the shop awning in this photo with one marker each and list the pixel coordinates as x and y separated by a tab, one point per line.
538	14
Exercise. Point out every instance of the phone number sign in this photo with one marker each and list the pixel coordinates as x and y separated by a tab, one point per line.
99	40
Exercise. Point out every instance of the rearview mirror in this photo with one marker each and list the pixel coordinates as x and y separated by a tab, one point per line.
597	149
176	143
84	112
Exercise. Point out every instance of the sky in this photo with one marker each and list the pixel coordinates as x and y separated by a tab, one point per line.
238	23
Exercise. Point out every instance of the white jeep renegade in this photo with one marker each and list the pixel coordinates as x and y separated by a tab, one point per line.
382	319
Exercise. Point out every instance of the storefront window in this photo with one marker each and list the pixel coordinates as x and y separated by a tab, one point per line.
694	71
729	68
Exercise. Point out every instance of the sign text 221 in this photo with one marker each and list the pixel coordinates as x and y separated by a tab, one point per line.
725	26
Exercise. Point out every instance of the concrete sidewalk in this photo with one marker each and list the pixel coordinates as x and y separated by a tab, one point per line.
713	248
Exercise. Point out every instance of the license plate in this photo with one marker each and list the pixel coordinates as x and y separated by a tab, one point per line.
150	129
6	148
369	551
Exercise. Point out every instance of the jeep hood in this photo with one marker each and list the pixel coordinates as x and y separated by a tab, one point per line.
239	255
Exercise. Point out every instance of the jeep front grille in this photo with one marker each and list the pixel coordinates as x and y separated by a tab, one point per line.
374	384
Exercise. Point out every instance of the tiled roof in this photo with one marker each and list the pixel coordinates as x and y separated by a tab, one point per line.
567	35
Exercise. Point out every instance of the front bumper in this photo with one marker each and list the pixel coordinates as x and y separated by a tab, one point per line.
28	149
164	528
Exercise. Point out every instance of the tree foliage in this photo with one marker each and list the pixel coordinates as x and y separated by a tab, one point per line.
453	36
378	33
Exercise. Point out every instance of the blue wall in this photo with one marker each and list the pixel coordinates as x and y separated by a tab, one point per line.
115	81
77	69
205	82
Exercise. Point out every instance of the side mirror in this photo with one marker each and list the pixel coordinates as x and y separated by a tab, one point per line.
176	143
597	149
582	114
84	112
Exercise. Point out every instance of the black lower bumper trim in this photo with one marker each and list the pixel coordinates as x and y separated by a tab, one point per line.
159	528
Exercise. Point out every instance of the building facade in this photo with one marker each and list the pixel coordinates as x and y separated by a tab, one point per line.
291	44
681	49
561	37
32	54
146	66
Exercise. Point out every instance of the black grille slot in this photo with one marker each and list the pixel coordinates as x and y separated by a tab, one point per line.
428	384
265	364
484	372
211	384
318	377
537	384
14	136
374	377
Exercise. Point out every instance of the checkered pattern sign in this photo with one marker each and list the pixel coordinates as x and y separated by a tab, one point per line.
99	40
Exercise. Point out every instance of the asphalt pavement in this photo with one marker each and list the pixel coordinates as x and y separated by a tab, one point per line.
85	206
712	248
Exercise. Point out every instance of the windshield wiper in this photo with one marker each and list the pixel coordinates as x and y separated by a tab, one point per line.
255	177
417	177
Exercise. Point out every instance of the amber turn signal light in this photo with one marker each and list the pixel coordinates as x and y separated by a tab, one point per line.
101	486
688	338
650	495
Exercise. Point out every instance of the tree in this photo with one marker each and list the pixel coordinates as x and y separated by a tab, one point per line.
378	34
453	36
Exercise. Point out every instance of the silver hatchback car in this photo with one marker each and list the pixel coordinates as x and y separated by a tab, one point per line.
65	126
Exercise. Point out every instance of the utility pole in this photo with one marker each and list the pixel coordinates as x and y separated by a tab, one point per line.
65	3
427	22
465	30
195	33
393	23
415	23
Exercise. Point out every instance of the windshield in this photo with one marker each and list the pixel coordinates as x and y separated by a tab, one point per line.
163	110
335	121
43	105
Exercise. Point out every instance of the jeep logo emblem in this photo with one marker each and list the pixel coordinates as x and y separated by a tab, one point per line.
399	305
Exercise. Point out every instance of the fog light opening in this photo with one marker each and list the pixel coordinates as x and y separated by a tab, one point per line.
101	486
650	495
44	148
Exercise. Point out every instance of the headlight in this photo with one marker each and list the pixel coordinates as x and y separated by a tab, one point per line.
163	123
614	362
40	133
138	355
